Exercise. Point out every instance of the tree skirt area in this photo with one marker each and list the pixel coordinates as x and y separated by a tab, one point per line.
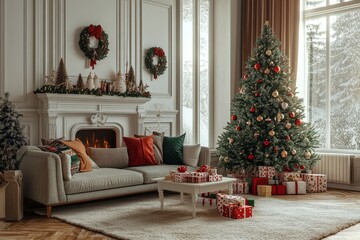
140	217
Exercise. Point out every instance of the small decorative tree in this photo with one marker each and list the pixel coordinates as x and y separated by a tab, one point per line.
80	82
11	135
61	75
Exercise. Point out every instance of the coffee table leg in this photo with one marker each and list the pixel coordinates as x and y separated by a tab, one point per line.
230	188
161	198
194	200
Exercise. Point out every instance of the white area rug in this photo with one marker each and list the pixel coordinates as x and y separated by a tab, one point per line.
140	217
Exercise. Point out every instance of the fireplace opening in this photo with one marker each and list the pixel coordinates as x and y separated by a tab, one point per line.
98	138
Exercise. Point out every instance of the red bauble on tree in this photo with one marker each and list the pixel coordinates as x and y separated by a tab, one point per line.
277	69
287	138
250	156
234	117
297	122
291	114
252	109
257	66
245	76
302	167
238	128
256	94
259	81
266	143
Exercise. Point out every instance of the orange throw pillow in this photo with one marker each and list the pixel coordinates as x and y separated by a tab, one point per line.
79	149
140	151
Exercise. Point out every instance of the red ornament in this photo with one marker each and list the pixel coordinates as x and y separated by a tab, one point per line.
252	109
234	117
275	149
302	167
182	168
277	69
287	138
297	122
257	66
297	166
245	76
256	94
291	114
250	156
238	128
266	143
259	81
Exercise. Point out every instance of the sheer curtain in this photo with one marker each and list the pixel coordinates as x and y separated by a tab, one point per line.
284	17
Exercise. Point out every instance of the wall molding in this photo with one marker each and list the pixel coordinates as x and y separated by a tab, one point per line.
2	49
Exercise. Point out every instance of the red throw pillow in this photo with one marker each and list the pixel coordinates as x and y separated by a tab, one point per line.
140	151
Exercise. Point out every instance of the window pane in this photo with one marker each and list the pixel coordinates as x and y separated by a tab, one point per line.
345	80
338	1
204	72
316	72
310	4
187	85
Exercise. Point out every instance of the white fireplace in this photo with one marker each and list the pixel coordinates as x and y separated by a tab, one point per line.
63	115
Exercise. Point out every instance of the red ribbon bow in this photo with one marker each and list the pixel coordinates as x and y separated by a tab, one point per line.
95	31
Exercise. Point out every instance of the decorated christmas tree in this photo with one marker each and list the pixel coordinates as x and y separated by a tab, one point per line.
11	135
266	126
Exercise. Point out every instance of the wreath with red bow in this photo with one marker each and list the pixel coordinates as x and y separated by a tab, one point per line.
160	67
102	49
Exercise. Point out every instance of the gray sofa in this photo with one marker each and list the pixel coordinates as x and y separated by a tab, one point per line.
43	180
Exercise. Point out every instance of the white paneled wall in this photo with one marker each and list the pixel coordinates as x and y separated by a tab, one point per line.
34	35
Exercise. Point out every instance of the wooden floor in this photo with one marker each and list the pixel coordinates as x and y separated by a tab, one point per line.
33	226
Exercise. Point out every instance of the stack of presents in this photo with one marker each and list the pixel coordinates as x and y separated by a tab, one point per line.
267	181
203	174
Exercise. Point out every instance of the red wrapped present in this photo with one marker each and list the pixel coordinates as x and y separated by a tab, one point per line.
181	176
196	179
240	187
215	178
239	212
298	187
199	174
222	199
278	190
266	171
258	181
228	208
315	183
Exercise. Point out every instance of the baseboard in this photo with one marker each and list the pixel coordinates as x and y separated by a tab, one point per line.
344	186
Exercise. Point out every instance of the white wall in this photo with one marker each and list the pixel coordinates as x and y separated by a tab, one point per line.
34	35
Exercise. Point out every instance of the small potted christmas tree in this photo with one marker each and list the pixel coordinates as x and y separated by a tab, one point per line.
11	140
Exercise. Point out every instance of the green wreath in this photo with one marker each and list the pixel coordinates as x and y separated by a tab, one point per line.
160	67
94	54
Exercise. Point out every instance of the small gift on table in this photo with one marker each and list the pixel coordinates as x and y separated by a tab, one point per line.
315	183
196	179
278	190
240	212
222	199
256	182
295	187
266	171
264	190
181	174
215	178
240	187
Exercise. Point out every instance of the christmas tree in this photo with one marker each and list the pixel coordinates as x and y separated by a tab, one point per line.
11	135
61	75
266	126
80	82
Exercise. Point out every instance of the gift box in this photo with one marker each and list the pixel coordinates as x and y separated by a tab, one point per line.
181	177
264	190
239	212
287	176
256	182
206	201
278	190
240	187
315	183
228	209
222	199
212	171
266	171
196	179
298	187
215	178
172	175
274	181
199	174
250	202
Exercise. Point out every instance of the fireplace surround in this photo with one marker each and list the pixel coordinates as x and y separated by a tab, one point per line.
64	115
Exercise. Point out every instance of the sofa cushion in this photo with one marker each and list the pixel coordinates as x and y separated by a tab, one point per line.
157	145
158	171
79	148
191	154
140	151
109	157
102	178
173	150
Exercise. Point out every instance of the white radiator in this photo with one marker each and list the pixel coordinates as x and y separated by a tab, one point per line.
337	167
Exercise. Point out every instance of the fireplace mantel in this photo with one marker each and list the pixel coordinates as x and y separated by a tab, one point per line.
59	113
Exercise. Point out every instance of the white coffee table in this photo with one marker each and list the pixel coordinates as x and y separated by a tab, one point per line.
194	189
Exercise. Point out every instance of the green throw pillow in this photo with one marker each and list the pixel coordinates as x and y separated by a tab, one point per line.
173	150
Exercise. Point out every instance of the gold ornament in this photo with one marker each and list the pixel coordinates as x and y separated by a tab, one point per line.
279	116
256	135
293	152
267	71
272	133
284	154
248	122
226	159
288	125
284	105
231	140
275	93
259	118
307	155
268	52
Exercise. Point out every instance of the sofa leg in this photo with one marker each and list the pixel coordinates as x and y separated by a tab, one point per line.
48	211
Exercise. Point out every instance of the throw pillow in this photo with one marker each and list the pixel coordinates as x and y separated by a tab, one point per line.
79	148
191	154
157	146
173	150
70	164
140	151
109	157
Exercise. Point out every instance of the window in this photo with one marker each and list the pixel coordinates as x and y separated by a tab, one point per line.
332	72
195	69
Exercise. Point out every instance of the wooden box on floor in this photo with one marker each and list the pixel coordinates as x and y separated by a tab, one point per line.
264	190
